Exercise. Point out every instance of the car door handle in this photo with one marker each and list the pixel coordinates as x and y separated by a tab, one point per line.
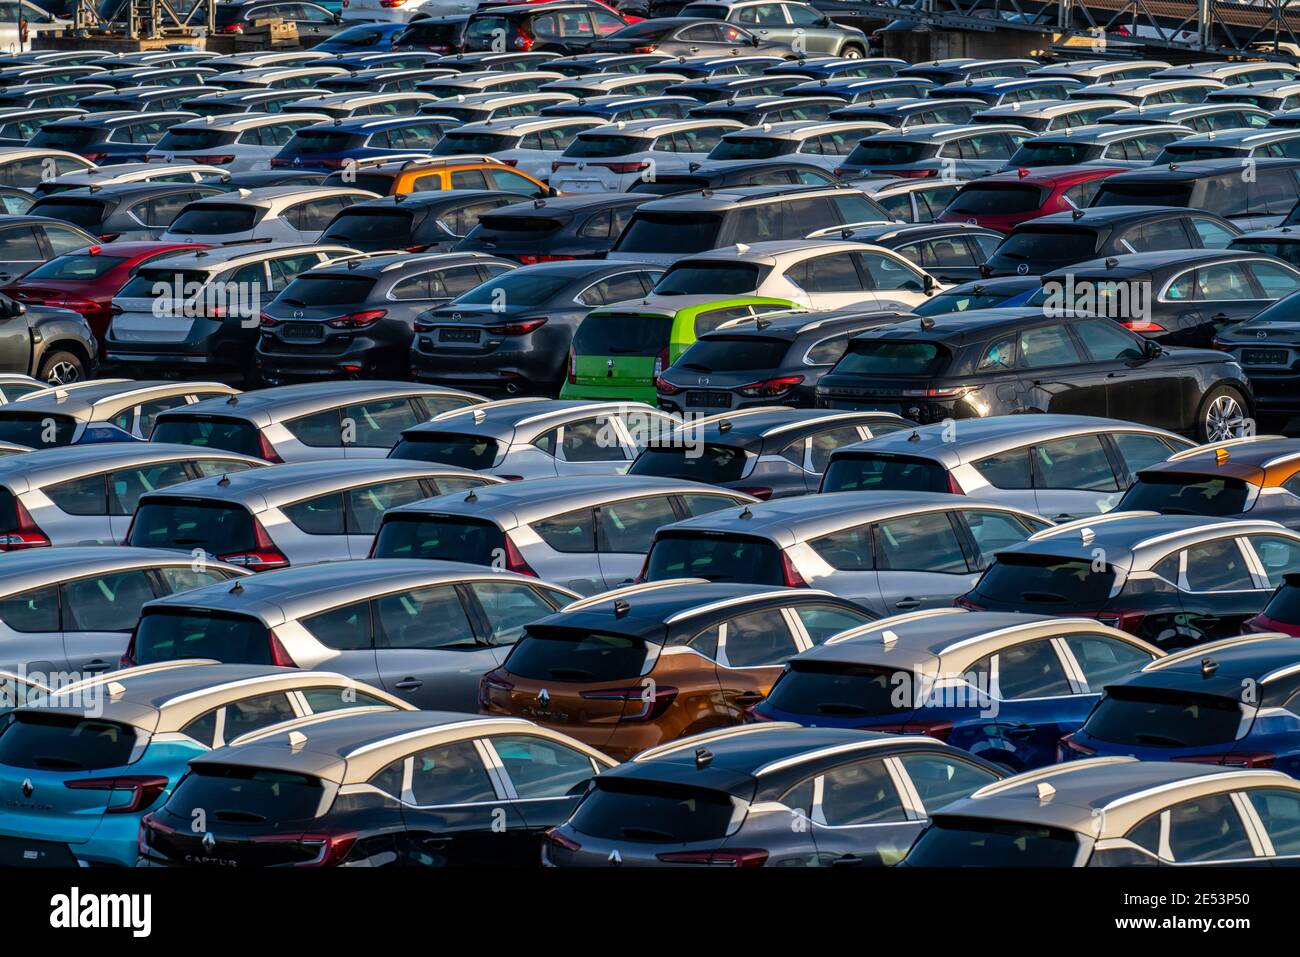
747	698
1220	317
907	603
1020	731
99	664
409	684
847	860
1114	375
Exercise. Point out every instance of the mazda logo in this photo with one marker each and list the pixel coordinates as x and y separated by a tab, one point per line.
27	787
704	380
209	842
455	315
1023	269
297	314
544	698
1262	334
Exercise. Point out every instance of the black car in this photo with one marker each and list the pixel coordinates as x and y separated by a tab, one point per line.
717	174
564	28
35	96
710	89
256	179
545	230
951	252
1268	348
313	21
107	138
686	36
512	335
142	99
415	222
767	453
728	367
757	110
1258	201
355	318
981	294
906	112
380	787
1282	242
1004	361
436	34
1171	580
130	211
19	126
1052	242
225	103
1181	297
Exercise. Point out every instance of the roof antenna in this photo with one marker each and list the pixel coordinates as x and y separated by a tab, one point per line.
621	608
703	758
746	513
1209	667
233	400
237	588
914	437
472	496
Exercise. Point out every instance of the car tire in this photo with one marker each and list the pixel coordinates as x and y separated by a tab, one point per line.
61	368
851	51
1223	414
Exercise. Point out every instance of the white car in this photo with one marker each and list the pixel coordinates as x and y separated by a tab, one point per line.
121	173
239	143
819	144
28	168
817	274
289	214
616	157
528	143
403	11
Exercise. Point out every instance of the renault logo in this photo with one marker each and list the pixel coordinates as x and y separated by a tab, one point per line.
209	842
27	787
544	698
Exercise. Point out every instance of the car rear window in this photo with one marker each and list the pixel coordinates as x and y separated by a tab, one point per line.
50	741
750	148
1175	153
1152	193
670	233
975	842
77	266
1171	493
1043	581
231	794
218	528
1284	606
448	448
1051	154
483	144
524	289
888	153
37	430
652	813
382	228
529	226
622	334
86	213
143	283
182	140
710	279
214	219
1163	718
60	137
834	689
1042	244
579	655
207	432
996	199
713	465
447	537
601	146
167	635
875	357
716	557
327	290
734	354
857	471
322	141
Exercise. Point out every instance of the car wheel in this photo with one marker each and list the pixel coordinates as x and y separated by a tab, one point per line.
1223	415
852	52
61	368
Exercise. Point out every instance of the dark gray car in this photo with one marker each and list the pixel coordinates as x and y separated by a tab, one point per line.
54	345
805	29
129	211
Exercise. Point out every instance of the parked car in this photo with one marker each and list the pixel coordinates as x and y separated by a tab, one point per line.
274	214
614	159
433	222
531	144
1265	345
129	212
1003	201
1006	291
951	151
240	142
815	33
1216	186
108	138
584	226
29	241
951	252
1131	146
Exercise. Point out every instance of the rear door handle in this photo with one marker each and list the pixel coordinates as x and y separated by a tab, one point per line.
1020	731
908	603
1114	375
99	664
409	684
747	698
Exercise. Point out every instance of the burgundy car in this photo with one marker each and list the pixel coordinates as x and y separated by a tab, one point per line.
1282	613
1003	200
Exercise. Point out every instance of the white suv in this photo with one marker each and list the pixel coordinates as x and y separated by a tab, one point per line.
289	214
240	143
616	157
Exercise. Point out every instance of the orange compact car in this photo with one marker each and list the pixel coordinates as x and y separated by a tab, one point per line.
389	177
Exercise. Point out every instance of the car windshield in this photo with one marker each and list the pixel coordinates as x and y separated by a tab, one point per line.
974	842
713	464
1284	606
517	289
1163	718
716	557
170	634
670	233
704	278
1289	252
1044	581
446	537
733	354
993	199
858	471
1171	493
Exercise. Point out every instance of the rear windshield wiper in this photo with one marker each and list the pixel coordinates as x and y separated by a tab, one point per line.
647	833
241	816
1144	737
573	674
1043	596
44	761
835	708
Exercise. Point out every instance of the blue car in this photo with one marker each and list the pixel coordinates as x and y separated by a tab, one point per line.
363	38
1004	687
108	138
1234	702
331	145
614	108
79	770
1005	291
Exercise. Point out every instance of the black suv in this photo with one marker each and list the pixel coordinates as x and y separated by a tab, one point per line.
1257	201
1003	361
1268	348
722	175
1059	239
416	222
546	230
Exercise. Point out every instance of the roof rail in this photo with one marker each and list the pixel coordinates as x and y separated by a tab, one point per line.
1225	444
787	426
482	407
695	740
780	764
882	624
248	737
737	413
1170	536
1199	651
637	589
1081	523
1052	770
136	672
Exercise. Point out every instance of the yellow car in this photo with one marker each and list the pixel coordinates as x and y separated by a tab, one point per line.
389	177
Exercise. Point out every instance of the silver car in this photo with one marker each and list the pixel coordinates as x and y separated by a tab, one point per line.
71	611
587	534
316	420
290	514
889	552
538	437
424	631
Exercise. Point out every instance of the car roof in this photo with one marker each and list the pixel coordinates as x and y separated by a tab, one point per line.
524	418
264	406
84	402
40	566
1223	668
28	470
1262	460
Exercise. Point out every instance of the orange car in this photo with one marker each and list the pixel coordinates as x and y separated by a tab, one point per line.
388	177
648	664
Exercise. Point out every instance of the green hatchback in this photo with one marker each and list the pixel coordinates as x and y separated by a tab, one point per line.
619	350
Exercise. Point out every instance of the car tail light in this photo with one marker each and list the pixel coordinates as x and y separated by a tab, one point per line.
646	49
25	534
279	656
1141	325
520	327
523	41
953	393
790	576
533	260
331	849
489	682
143	788
661	362
649	707
553	836
1262	622
1067	743
758	491
268	321
666	387
95	157
770	387
263	556
722	857
76	305
357	320
1123	620
907	173
214	159
573	368
391	3
935	729
953	486
1233	759
556	164
624	167
267	450
515	561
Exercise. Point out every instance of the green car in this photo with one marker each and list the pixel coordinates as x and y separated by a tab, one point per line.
617	351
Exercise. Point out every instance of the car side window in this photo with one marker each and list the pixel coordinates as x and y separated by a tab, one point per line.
125	486
1031	670
346	628
540	768
591	440
322	515
630	526
1103	659
824	443
823	621
1208	828
1106	342
35	611
1274	279
704	504
450	774
848	549
84	496
1008	470
1211	234
1217	566
366	506
184	577
255	713
858	793
424	618
322	700
1046	346
1138	449
319	430
994	531
1278	555
1279	811
758	639
509	607
926	543
377	424
939	779
571	532
1075	463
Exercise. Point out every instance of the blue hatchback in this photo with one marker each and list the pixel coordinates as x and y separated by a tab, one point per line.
331	145
363	38
1002	686
1234	702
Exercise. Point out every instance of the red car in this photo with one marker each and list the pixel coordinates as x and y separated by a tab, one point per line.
1003	200
1282	613
86	280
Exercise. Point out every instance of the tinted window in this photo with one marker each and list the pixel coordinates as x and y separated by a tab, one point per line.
653	813
106	602
716	558
424	618
539	768
559	654
1103	659
1043	580
971	842
449	538
1155	717
56	742
857	471
234	639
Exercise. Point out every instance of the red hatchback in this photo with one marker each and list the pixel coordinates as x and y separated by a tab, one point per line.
1003	200
86	280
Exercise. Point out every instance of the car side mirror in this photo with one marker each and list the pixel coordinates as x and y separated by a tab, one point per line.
928	285
11	308
1151	349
